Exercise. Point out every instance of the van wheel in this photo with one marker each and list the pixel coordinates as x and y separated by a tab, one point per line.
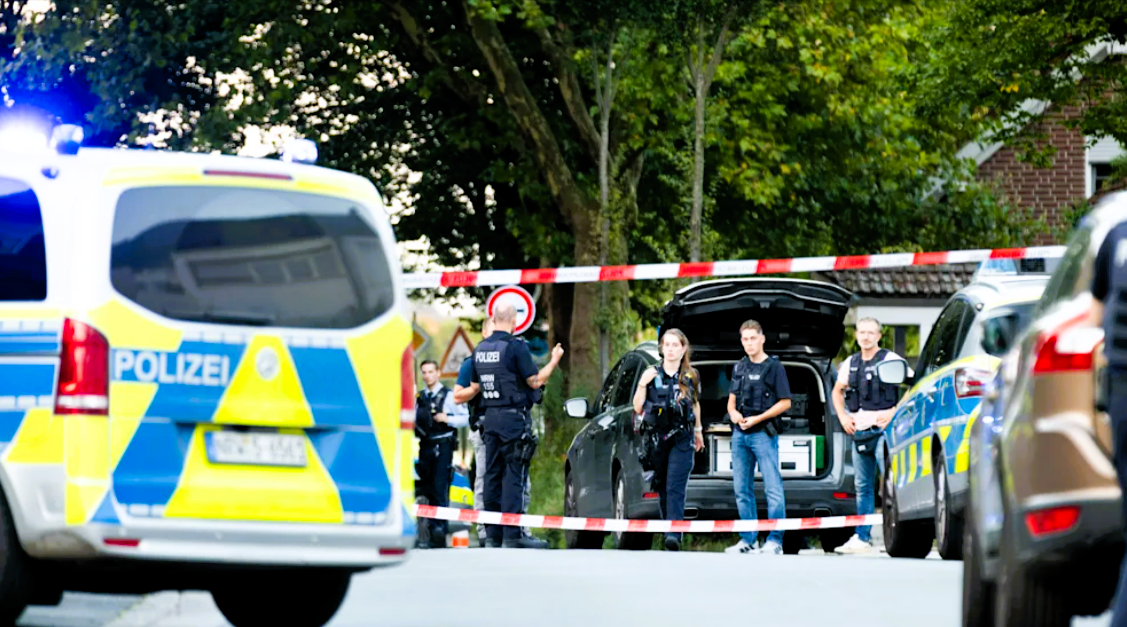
15	571
902	538
255	599
978	594
623	540
948	525
572	538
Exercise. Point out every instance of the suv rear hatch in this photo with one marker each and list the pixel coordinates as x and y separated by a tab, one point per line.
803	323
248	382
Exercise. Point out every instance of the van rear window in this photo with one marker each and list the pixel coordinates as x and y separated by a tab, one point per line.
23	257
255	257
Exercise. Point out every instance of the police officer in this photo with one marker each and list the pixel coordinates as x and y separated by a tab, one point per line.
437	418
759	393
864	407
505	376
463	394
1109	310
669	397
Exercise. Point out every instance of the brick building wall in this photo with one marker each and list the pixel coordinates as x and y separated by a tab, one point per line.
1047	191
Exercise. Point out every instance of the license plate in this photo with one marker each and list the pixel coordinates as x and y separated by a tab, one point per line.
256	449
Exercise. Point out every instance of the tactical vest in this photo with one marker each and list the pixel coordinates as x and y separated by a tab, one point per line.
426	410
663	409
500	387
1115	305
867	391
754	396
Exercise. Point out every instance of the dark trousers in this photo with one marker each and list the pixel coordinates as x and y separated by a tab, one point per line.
673	463
436	464
1117	406
504	472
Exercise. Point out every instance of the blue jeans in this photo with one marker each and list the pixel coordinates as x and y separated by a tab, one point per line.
864	478
747	449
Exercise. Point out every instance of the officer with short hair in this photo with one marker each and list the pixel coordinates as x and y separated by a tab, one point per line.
864	408
505	377
758	395
1109	310
437	418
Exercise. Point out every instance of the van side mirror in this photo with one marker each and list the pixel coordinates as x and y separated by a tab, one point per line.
577	408
892	371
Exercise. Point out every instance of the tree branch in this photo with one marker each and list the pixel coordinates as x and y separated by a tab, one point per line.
718	48
561	60
545	149
472	93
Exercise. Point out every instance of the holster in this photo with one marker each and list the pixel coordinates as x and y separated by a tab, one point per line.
526	447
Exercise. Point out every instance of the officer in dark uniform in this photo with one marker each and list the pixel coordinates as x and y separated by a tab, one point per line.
437	418
864	408
1109	310
505	377
668	396
758	395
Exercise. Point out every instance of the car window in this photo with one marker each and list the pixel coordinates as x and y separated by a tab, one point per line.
606	395
942	345
250	256
1064	282
23	256
628	375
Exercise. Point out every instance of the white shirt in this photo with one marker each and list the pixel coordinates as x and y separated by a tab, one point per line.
864	418
457	415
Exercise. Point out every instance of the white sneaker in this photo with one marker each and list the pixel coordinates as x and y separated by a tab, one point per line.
771	547
854	546
742	547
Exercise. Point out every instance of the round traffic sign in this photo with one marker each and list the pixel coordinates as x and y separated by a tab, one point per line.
520	299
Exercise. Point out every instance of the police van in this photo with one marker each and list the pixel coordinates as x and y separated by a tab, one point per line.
205	379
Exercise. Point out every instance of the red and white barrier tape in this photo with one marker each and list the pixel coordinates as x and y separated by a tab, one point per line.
654	526
590	274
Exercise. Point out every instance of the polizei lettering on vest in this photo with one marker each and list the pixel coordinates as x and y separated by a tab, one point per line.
172	368
487	357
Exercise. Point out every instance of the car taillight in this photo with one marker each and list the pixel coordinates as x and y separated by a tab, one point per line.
1068	348
1052	520
971	382
407	390
84	371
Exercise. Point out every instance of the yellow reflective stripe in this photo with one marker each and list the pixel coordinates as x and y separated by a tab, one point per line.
10	312
151	176
895	474
962	456
912	465
39	439
925	457
944	431
124	327
903	464
86	451
251	399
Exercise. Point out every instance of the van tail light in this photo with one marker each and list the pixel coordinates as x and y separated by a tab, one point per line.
84	371
1070	347
1044	522
407	390
971	382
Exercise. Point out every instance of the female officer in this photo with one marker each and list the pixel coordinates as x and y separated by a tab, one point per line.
669	396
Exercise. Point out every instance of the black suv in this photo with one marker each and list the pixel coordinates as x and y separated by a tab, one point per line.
803	322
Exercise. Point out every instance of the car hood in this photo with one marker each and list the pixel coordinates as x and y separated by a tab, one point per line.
799	317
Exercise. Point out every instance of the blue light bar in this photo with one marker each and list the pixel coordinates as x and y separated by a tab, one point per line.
301	151
66	139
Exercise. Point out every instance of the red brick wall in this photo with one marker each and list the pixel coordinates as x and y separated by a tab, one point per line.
1044	190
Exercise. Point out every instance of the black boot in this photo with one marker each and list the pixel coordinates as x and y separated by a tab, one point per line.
525	543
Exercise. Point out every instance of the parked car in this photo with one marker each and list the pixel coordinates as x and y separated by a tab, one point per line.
1044	501
925	448
803	322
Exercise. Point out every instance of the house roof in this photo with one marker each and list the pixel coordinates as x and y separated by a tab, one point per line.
938	282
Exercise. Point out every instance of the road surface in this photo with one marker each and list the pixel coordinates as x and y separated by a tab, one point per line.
556	588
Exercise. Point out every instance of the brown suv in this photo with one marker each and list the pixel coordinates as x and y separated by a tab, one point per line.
1043	540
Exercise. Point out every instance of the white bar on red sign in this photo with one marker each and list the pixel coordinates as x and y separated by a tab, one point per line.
498	277
892	260
657	271
1044	252
968	256
579	274
422	281
735	268
812	264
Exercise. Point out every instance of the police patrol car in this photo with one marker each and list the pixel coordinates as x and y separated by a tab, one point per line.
925	448
205	379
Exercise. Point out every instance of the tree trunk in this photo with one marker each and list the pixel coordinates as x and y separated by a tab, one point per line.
698	171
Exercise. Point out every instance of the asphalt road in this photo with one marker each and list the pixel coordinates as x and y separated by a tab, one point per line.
551	588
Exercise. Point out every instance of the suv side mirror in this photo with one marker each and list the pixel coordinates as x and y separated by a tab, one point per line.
576	407
892	371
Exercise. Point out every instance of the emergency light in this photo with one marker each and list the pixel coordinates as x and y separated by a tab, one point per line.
64	139
300	151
